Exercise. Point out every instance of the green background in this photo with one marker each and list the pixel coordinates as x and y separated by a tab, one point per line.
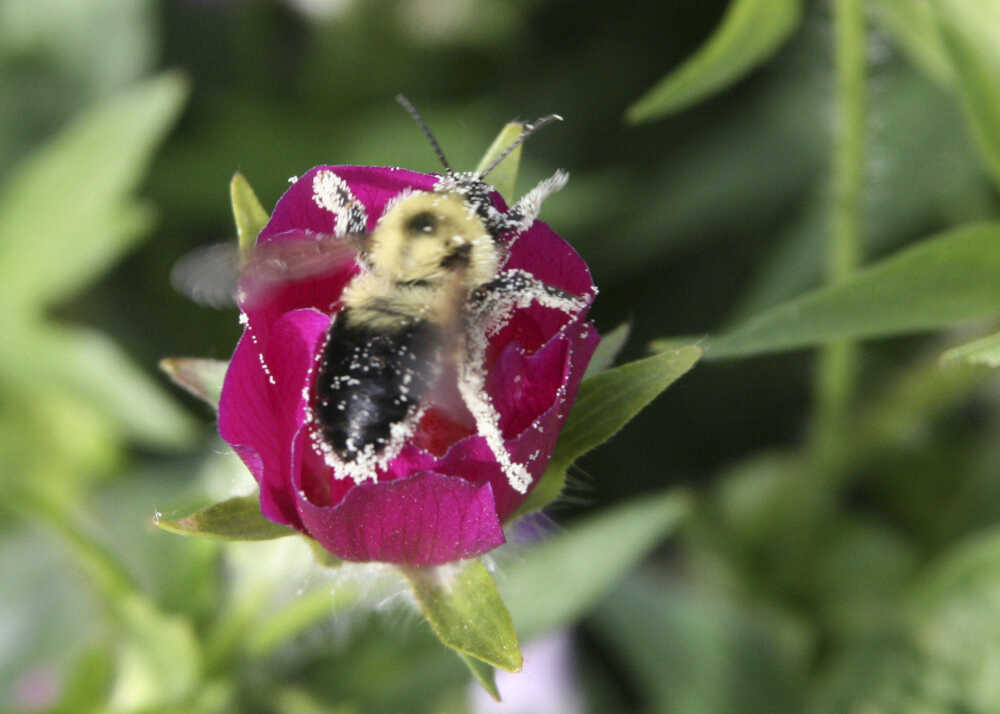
825	553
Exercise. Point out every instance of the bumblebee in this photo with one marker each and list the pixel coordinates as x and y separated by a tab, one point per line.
416	318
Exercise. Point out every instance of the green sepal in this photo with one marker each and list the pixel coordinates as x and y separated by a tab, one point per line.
322	555
504	176
238	518
201	377
482	673
464	609
750	32
985	351
608	349
605	403
249	215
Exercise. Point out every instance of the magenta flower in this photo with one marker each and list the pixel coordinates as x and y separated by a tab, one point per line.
454	473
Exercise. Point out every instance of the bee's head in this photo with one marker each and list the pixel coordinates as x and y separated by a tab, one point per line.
430	236
469	192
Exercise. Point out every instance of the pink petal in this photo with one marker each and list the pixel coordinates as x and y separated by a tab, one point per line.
258	417
373	186
422	520
551	259
534	446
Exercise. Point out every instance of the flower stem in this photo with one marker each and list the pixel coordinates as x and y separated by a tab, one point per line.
837	366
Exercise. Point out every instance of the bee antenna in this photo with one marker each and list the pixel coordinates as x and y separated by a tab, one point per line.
529	129
415	115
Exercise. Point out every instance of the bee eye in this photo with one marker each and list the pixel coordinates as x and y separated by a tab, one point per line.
423	222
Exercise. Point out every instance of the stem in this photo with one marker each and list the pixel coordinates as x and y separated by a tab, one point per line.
837	365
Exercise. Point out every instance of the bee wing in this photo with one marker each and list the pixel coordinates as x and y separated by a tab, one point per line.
208	275
214	275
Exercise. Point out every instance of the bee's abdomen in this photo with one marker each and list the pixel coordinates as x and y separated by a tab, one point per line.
369	380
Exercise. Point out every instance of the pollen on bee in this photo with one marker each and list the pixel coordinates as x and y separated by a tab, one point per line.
472	387
331	192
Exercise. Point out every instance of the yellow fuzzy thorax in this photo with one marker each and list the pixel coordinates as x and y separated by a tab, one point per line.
424	258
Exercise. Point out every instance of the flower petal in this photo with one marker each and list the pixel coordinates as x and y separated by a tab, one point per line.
262	404
422	520
541	252
534	446
373	186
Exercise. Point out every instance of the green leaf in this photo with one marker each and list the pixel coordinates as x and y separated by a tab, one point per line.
953	615
562	578
969	31
65	213
912	23
88	687
160	659
238	518
691	650
504	176
90	366
605	403
968	566
463	607
296	700
750	32
249	215
482	673
984	351
608	348
882	673
201	377
935	283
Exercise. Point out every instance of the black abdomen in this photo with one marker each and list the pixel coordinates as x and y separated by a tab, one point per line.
368	380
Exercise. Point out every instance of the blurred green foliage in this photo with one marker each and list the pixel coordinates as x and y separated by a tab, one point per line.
857	577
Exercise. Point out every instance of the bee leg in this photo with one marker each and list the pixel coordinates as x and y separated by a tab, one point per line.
494	302
472	387
491	307
522	214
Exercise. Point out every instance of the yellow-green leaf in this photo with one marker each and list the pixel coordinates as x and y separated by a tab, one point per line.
605	403
562	578
969	29
985	350
66	212
937	282
750	32
913	24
